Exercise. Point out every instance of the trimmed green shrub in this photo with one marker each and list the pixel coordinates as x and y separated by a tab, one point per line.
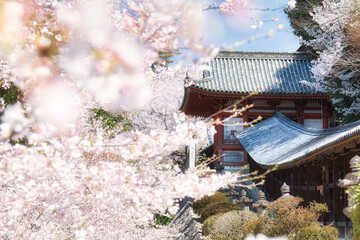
209	224
289	221
317	232
229	225
284	217
284	203
218	197
215	208
253	227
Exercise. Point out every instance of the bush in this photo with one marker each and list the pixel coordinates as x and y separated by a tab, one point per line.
218	197
355	214
317	232
289	202
253	227
283	217
229	225
289	221
215	208
208	224
355	218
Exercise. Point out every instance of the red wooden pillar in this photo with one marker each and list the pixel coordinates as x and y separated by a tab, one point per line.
218	137
326	113
299	105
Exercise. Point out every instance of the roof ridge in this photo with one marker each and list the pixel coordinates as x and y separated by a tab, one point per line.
258	51
265	54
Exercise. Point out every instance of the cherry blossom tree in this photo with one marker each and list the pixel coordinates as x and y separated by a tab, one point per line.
331	30
69	180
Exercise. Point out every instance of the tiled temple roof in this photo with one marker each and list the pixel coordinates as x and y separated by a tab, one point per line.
283	142
262	72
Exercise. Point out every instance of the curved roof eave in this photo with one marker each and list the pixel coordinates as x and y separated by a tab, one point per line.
280	141
223	94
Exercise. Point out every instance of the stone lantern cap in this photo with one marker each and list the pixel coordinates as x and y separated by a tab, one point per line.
261	202
285	191
244	198
355	164
232	193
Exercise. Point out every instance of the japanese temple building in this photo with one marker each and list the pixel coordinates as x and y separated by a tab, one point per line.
275	76
294	135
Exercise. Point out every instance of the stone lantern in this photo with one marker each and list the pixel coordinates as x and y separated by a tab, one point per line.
351	179
285	191
244	201
232	194
261	204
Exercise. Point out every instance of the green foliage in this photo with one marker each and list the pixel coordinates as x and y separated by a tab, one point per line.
253	226
229	225
22	141
335	88
208	224
163	219
289	221
355	214
289	202
300	17
218	197
11	95
318	208
216	208
284	217
317	232
110	121
300	20
355	218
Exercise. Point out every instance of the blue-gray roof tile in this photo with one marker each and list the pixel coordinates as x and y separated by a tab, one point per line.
262	72
281	141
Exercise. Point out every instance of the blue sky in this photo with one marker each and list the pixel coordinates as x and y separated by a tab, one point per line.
225	31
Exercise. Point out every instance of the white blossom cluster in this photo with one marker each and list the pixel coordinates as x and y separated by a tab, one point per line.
5	75
71	184
68	180
336	41
230	7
